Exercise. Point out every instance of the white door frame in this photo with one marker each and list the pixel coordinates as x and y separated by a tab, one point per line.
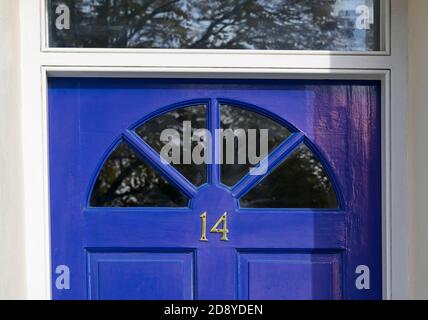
39	62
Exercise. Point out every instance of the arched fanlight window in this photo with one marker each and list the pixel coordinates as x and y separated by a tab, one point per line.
299	179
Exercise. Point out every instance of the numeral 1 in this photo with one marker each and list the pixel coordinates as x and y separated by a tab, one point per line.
204	226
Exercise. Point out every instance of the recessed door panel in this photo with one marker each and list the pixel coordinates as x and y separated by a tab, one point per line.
141	275
289	276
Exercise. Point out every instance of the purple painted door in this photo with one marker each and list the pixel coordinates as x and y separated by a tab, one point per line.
125	225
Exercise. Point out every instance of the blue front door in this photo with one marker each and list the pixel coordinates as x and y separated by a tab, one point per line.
126	225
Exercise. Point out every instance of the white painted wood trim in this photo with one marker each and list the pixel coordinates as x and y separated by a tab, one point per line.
39	63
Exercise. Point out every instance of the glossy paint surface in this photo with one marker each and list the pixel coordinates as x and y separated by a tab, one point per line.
272	253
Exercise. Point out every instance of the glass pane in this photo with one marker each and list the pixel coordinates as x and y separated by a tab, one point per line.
235	118
126	181
299	182
345	25
152	129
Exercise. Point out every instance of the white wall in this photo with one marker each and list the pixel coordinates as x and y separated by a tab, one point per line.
12	272
418	147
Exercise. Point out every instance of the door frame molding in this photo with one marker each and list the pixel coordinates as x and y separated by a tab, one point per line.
37	64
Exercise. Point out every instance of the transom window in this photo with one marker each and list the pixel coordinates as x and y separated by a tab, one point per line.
337	25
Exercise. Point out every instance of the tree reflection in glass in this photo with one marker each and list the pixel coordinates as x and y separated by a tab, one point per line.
219	24
151	132
299	182
233	118
126	181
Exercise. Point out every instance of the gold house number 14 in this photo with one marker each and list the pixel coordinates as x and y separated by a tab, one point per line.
215	229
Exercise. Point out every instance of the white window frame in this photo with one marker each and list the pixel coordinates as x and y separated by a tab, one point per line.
39	62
